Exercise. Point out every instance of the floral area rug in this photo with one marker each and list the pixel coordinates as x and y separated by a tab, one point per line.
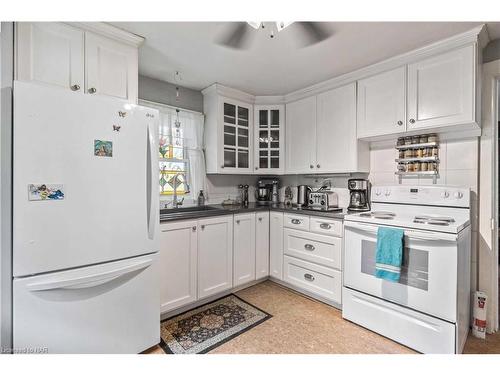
204	328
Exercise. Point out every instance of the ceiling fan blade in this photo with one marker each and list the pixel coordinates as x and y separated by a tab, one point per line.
313	32
236	35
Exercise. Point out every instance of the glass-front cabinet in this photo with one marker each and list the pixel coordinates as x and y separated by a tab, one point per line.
236	119
269	139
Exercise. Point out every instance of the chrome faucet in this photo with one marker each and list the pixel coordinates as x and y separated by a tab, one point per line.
176	203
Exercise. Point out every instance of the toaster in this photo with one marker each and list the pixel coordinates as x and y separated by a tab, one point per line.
323	200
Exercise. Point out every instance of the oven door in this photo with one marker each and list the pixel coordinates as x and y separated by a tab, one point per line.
428	281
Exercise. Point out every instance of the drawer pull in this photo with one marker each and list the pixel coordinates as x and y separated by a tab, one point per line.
325	226
309	247
296	221
308	277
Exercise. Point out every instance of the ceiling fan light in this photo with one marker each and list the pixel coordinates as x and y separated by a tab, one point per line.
255	25
280	25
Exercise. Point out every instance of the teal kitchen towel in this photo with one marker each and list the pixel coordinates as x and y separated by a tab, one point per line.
389	254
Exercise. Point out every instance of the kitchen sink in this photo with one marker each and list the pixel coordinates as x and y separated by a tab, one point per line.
187	212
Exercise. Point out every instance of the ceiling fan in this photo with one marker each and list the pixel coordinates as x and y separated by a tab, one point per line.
238	35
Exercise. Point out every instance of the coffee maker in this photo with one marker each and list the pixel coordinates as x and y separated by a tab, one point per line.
359	195
267	191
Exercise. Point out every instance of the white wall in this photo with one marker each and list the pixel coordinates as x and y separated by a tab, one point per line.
458	167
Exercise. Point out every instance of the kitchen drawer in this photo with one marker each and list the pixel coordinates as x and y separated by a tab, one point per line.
317	248
322	281
325	226
296	221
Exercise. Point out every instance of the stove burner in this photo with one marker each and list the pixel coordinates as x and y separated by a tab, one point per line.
385	215
434	220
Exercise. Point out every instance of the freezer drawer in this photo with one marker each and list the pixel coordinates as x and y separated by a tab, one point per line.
108	308
418	331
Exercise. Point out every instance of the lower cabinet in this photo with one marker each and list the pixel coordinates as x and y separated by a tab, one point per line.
276	245
178	264
261	245
244	249
215	255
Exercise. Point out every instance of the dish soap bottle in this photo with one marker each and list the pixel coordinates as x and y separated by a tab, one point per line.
201	199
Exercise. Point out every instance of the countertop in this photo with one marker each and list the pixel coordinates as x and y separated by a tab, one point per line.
218	210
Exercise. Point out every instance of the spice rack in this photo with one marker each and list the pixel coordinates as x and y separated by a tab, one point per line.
418	156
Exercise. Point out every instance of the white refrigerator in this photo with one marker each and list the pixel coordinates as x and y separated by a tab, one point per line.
85	223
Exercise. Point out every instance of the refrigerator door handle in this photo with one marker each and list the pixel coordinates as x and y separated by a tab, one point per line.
89	280
151	186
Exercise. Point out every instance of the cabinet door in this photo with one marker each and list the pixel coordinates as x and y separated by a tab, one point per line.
50	52
269	139
276	245
337	149
237	136
261	244
381	104
111	68
301	136
178	264
441	90
215	255
244	249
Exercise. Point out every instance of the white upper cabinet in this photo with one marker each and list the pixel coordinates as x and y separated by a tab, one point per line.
111	68
337	147
441	90
382	103
51	53
301	136
243	249
228	133
269	139
79	58
321	134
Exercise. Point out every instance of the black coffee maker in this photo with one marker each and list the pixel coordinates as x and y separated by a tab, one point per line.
359	195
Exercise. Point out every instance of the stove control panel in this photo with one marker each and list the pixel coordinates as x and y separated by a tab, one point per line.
425	195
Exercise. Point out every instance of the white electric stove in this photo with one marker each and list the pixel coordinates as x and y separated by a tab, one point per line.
428	309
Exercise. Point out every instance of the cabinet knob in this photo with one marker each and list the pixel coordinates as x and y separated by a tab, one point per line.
311	166
400	122
318	166
256	168
202	227
260	219
92	90
194	229
412	121
222	166
237	221
75	87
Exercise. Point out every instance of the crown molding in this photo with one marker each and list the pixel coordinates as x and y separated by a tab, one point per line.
475	35
229	92
110	31
270	99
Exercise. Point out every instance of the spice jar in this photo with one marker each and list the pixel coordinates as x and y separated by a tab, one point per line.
410	167
401	141
401	154
434	151
402	167
419	153
432	138
424	166
415	140
432	166
407	141
409	154
416	166
424	138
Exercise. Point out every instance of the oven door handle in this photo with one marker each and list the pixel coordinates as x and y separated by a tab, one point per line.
411	234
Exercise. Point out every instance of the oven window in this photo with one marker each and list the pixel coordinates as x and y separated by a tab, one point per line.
414	270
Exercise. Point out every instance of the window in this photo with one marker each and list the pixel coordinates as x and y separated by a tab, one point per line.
180	154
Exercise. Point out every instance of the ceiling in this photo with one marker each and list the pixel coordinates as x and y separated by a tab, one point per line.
277	66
